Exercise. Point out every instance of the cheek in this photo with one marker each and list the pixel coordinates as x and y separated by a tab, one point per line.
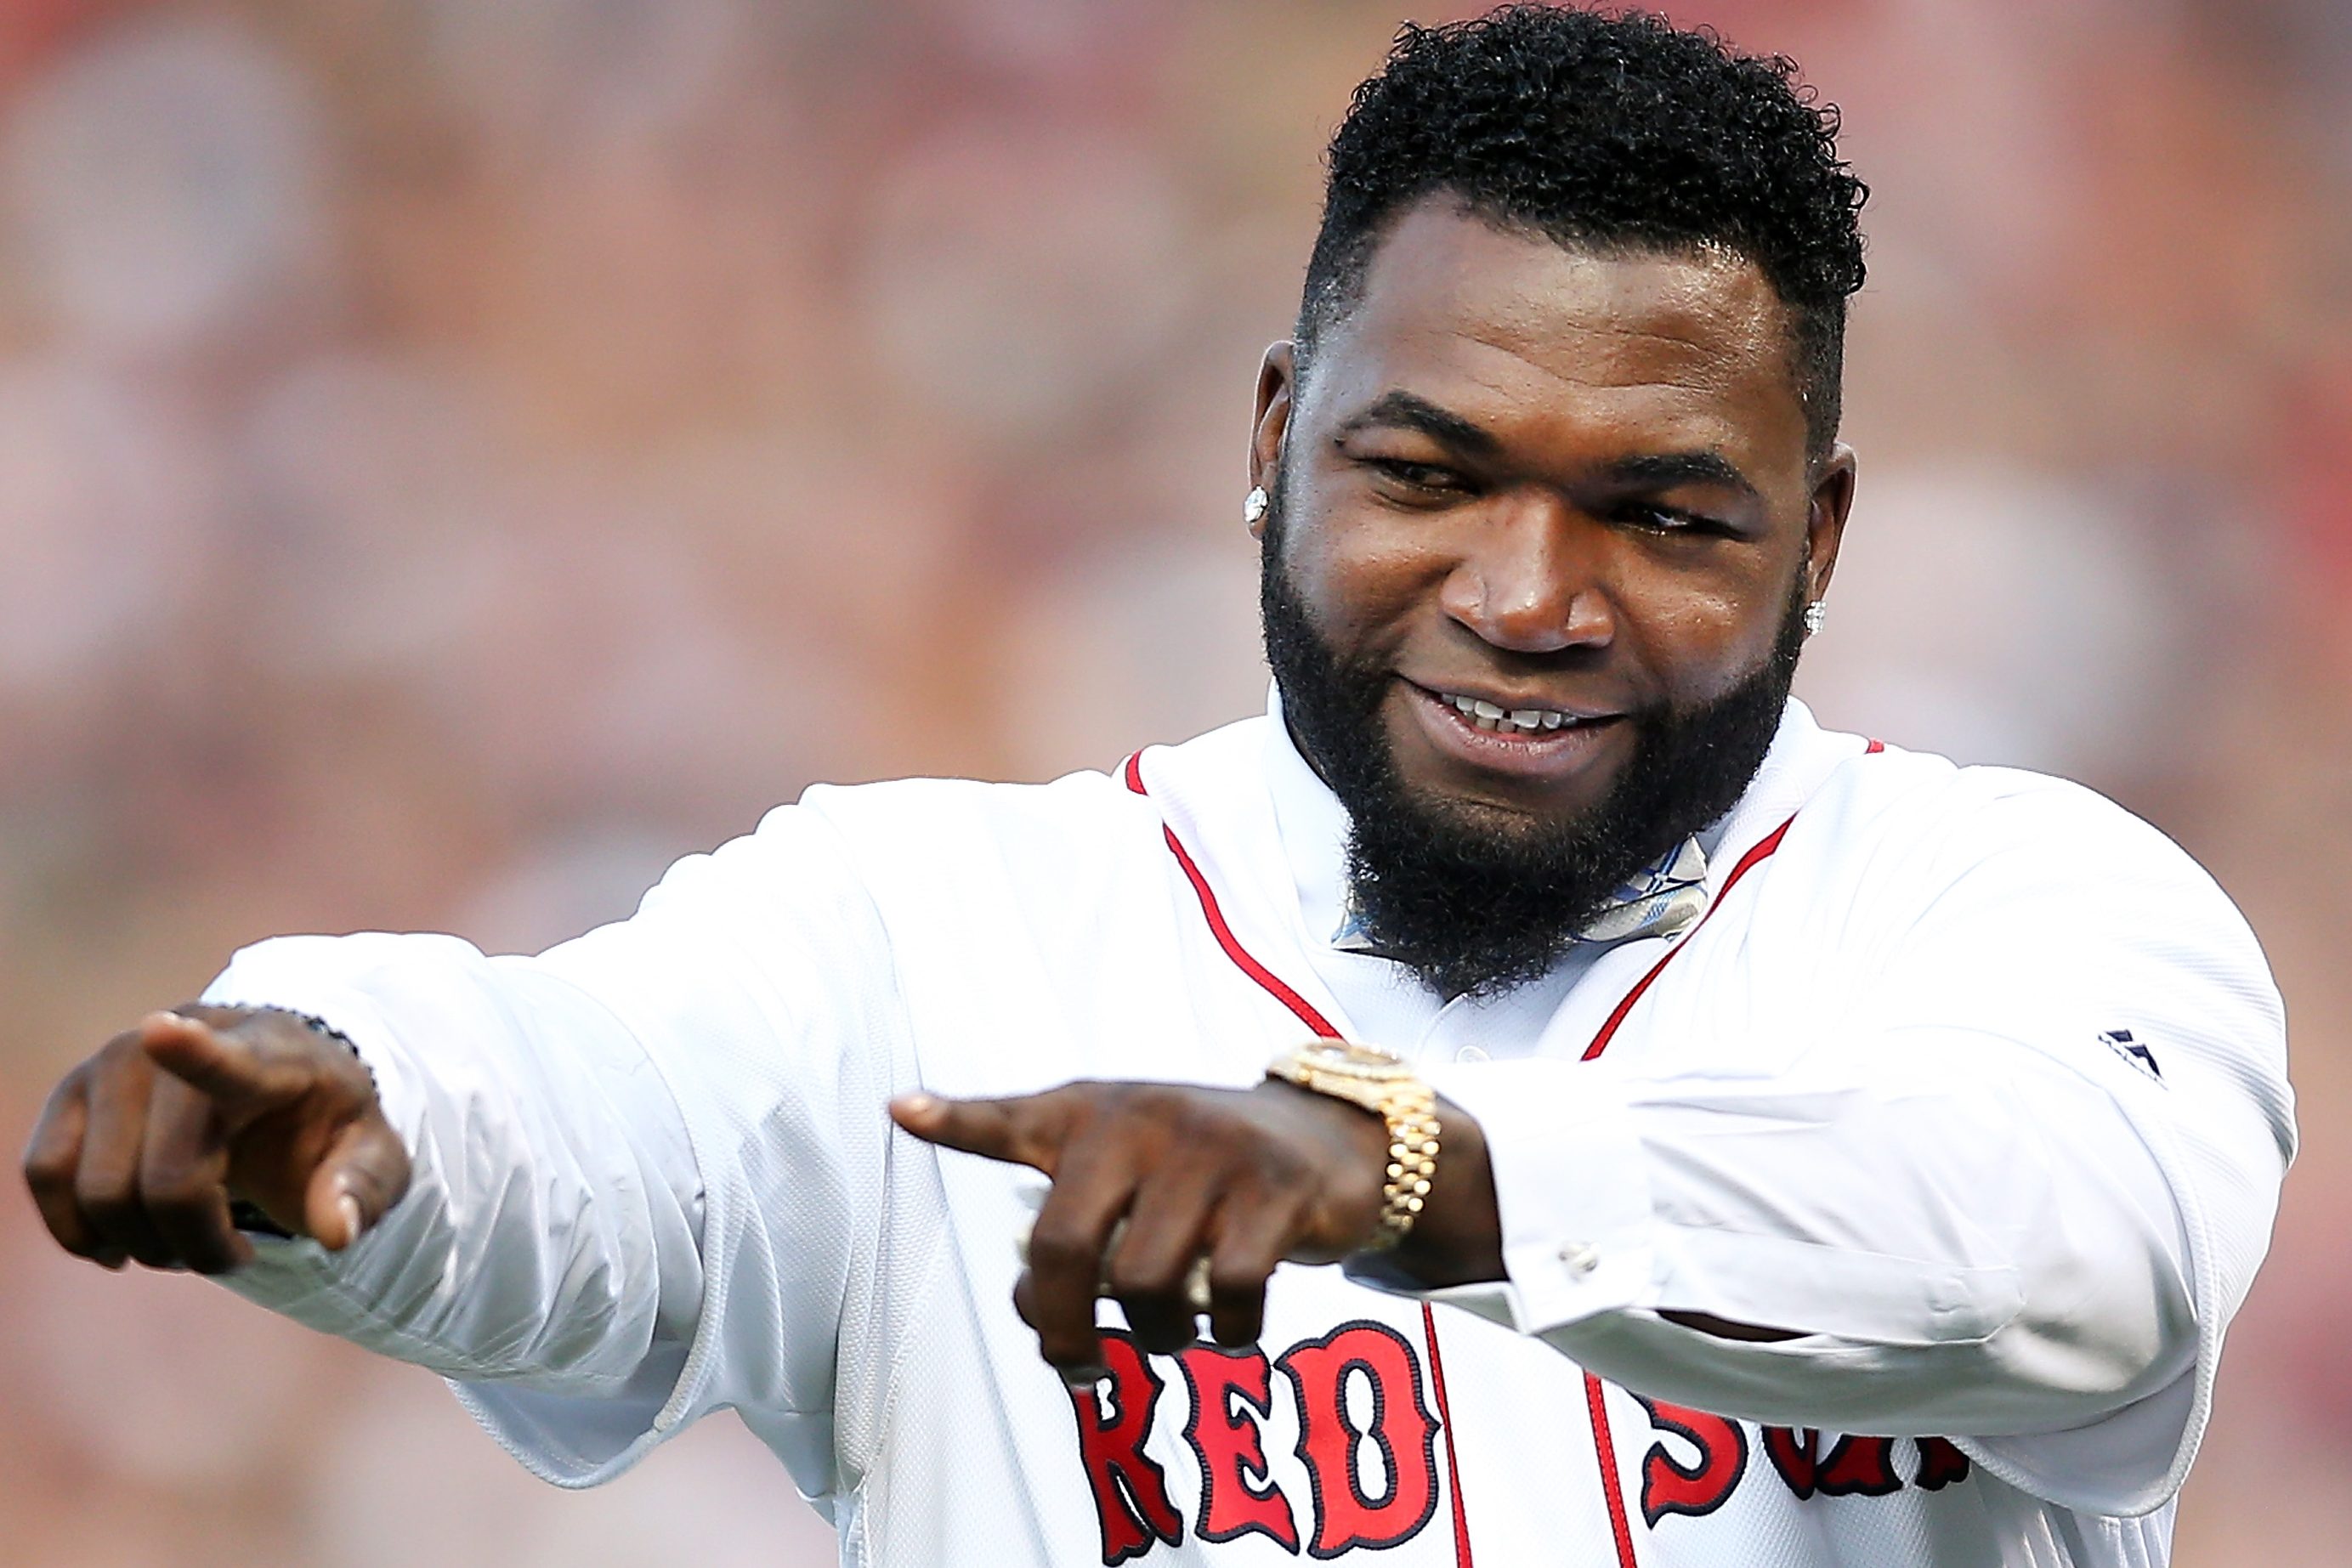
1703	636
1362	579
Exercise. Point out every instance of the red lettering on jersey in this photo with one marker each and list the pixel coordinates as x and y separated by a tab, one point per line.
1940	1465
1237	1490
1669	1486
1401	1429
1131	1488
1855	1467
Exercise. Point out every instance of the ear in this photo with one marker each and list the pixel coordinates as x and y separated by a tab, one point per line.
1825	523
1276	385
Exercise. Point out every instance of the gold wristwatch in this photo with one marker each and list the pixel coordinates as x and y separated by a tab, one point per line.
1382	1083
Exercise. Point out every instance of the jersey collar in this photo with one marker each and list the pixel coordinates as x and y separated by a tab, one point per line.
1664	899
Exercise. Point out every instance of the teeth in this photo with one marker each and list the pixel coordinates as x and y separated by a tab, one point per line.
1491	716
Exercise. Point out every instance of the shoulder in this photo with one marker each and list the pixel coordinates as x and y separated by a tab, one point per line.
1901	857
2036	907
943	832
1912	816
933	817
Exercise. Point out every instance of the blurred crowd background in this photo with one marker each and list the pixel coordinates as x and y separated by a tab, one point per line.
457	455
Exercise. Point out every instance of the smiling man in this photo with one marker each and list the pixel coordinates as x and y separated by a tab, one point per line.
1737	1142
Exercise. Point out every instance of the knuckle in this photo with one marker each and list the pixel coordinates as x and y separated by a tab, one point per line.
1083	1098
123	1054
1279	1164
1237	1284
1147	1286
106	1196
1069	1352
47	1172
176	1194
1057	1250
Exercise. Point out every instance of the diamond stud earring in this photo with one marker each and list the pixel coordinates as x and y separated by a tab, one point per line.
1253	506
1815	613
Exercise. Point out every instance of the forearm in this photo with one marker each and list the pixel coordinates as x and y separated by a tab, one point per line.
549	1233
1995	1255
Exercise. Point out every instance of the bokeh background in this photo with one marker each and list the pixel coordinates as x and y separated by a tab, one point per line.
457	454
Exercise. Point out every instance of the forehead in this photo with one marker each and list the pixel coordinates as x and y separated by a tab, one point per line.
1506	325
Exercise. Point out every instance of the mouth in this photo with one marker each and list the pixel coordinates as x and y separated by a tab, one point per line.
1495	719
1493	734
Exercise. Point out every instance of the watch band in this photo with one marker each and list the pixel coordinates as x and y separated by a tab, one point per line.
1382	1084
1410	1113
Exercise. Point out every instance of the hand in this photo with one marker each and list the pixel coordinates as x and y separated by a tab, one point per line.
1247	1178
142	1148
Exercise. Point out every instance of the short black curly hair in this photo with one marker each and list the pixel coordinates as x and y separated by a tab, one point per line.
1615	130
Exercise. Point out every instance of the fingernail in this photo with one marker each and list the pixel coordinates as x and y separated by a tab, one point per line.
349	1207
1083	1376
919	1104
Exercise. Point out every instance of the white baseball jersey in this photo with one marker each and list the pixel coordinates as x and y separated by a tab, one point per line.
1965	1074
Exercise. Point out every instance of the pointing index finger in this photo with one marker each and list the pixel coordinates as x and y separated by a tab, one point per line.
216	1064
1025	1130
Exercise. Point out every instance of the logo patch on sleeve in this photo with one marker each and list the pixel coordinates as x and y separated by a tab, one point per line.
2121	1042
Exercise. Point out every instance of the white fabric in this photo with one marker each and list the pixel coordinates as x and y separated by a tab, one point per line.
1974	1083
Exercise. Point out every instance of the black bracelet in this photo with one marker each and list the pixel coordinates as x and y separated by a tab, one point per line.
317	1025
250	1217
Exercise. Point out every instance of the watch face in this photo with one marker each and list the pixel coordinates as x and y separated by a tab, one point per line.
1345	1056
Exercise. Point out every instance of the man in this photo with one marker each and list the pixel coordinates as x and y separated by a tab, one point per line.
1784	1149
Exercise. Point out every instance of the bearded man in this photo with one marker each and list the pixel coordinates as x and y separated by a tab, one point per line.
1737	1142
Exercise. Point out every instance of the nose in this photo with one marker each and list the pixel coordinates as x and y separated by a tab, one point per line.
1531	577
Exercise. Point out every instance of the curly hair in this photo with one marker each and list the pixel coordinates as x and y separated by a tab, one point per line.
1609	131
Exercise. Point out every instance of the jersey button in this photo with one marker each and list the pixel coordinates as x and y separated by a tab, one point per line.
1471	1053
1581	1257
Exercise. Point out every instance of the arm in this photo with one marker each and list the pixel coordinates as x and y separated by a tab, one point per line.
582	1130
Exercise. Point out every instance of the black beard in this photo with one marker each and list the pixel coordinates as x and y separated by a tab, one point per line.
1472	903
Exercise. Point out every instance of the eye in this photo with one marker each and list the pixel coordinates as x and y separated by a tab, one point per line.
1420	478
1657	519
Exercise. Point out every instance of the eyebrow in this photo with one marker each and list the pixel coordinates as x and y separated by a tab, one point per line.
1664	470
1413	412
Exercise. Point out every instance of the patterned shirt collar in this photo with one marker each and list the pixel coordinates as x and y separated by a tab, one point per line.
1664	899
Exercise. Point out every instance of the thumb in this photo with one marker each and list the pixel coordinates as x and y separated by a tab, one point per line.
362	1174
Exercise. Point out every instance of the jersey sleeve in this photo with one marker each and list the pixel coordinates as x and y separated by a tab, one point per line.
647	1163
2001	1172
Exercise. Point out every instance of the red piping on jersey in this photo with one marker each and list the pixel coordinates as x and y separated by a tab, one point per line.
1305	1012
1611	1488
1299	1005
1446	1425
1758	852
